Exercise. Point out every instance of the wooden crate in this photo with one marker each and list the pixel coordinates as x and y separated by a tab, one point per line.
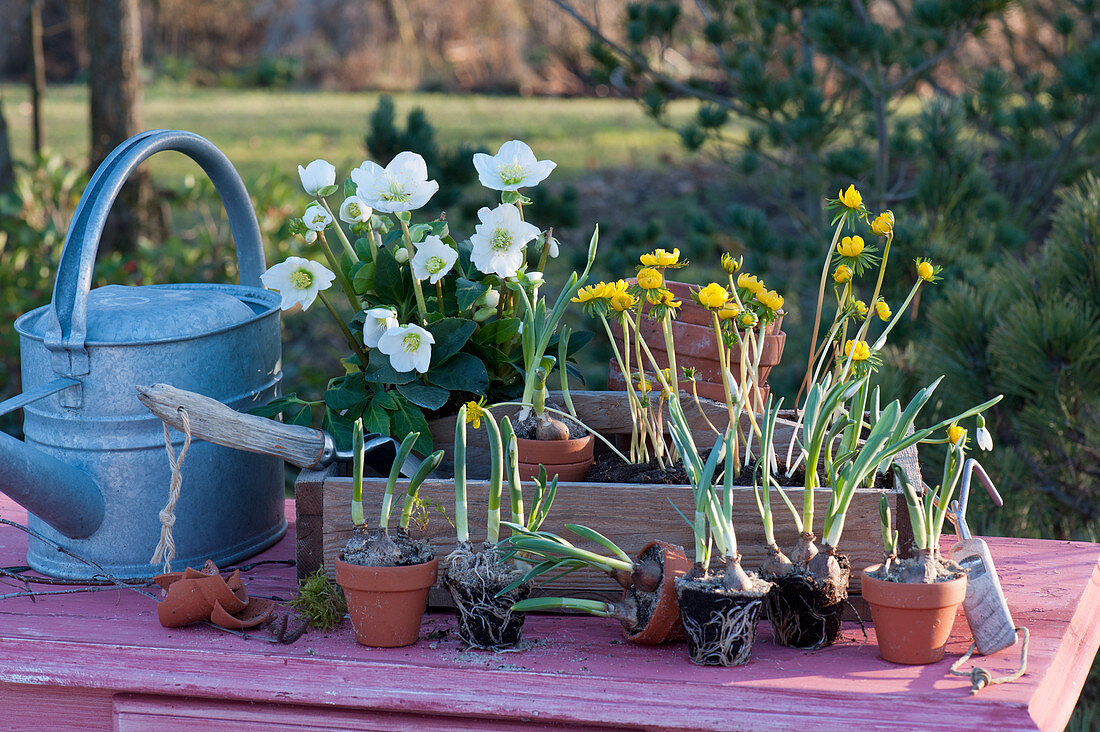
629	514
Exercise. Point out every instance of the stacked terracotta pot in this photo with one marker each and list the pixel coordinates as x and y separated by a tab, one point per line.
696	346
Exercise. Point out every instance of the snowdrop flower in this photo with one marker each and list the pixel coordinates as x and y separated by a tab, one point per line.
554	248
298	281
354	211
378	321
534	279
500	240
433	259
983	436
513	167
402	185
316	218
317	175
408	346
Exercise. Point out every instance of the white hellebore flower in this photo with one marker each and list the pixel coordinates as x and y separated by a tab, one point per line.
513	167
402	185
316	218
408	346
433	259
354	211
317	175
500	240
298	281
378	321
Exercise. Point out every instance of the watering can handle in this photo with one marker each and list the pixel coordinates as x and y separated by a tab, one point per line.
67	326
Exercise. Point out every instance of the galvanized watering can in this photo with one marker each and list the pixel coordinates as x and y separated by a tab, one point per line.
93	472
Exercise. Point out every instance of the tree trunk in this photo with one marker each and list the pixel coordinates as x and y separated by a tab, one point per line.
37	63
114	50
7	175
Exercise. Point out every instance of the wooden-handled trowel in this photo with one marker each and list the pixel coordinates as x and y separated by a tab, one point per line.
306	447
985	605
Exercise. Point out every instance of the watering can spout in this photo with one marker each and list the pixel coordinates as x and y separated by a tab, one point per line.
62	495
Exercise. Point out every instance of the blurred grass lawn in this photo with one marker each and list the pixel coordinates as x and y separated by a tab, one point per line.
260	130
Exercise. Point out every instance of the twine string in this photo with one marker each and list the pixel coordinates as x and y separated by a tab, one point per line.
166	547
980	678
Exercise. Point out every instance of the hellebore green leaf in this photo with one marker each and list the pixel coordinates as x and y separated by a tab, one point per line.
350	189
377	420
389	282
380	370
499	331
468	292
461	372
408	419
303	418
327	191
450	335
384	400
277	406
422	395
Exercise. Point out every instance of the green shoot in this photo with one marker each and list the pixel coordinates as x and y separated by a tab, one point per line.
430	463
357	518
889	533
395	472
462	526
511	468
592	607
496	478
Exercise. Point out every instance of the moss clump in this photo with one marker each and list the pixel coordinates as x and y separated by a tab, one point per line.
320	600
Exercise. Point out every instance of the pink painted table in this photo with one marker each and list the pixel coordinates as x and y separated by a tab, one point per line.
101	661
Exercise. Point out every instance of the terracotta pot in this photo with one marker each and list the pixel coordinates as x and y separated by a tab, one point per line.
568	459
912	620
665	623
696	346
705	389
386	604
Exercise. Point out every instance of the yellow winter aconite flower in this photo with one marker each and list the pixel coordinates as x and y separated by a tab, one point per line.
851	198
850	246
749	319
729	311
649	278
861	308
883	310
730	264
598	291
842	274
474	412
748	282
644	385
956	435
770	299
661	258
883	223
666	299
862	350
713	296
621	301
925	271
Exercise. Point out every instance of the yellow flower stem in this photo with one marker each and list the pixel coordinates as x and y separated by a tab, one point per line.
345	284
820	300
727	388
348	335
348	248
699	406
421	306
631	397
636	406
881	341
649	355
639	343
878	287
670	348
